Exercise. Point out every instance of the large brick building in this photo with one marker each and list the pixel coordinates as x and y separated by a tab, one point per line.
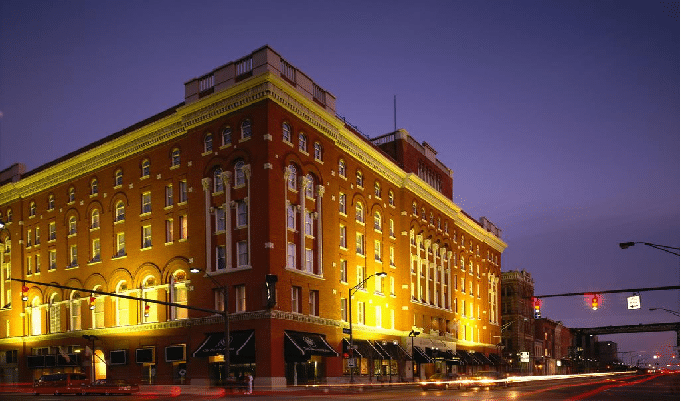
252	176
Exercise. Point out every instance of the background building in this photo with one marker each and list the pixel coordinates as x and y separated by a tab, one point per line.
251	177
517	289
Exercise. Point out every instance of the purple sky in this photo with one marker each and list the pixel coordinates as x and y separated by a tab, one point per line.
560	120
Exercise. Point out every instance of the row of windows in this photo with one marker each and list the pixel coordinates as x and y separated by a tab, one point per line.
359	181
246	132
302	141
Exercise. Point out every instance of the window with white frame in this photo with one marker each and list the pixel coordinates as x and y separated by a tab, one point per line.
218	185
183	191
361	277
291	255
240	293
377	189
392	256
220	256
52	256
359	179
169	195
359	212
55	315
302	142
37	235
343	271
392	285
146	237
96	250
342	168
242	213
309	224
309	187
118	178
146	202
94	187
239	174
74	307
392	228
359	244
72	194
314	302
309	260
377	221
379	317
94	219
361	306
72	225
342	205
378	250
318	151
391	198
242	253
296	293
292	177
183	227
32	209
52	231
169	231
120	244
344	309
220	219
73	255
291	217
343	237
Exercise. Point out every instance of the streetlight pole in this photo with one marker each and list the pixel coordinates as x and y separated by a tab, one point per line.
225	314
350	292
625	245
413	333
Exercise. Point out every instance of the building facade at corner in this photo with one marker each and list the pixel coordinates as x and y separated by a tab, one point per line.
253	179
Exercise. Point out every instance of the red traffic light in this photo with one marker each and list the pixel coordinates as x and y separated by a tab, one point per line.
594	302
92	303
24	293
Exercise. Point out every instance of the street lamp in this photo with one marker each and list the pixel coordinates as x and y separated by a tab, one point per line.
625	245
225	314
413	333
92	357
350	292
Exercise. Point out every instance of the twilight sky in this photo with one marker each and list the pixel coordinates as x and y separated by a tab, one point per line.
559	119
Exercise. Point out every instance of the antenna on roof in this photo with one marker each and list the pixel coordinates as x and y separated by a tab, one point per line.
395	111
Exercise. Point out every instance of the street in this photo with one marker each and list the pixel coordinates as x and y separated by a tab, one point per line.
657	387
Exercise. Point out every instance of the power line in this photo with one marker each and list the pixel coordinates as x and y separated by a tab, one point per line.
572	294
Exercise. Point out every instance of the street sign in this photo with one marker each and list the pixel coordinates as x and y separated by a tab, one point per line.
524	356
634	302
351	362
346	331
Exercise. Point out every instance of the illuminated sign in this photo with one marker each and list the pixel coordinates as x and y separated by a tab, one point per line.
634	302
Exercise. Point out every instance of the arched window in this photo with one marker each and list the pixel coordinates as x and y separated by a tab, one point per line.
149	292
239	175
146	165
227	136
341	168
377	189
120	211
94	187
286	132
218	185
377	221
208	143
309	186
179	294
36	317
175	158
246	129
292	177
118	178
359	212
94	219
72	225
97	308
302	142
122	317
318	151
74	309
360	179
72	194
31	209
55	314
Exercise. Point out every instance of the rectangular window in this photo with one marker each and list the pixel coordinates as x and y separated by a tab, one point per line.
146	237
291	255
29	265
344	309
52	231
295	299
360	277
242	253
379	317
37	235
342	208
378	284
221	261
37	264
377	250
241	213
169	231
314	303
309	260
344	271
55	318
392	285
169	195
359	244
392	228
96	250
183	227
146	202
291	217
392	256
28	238
308	224
53	259
240	292
360	313
75	315
343	237
120	244
183	191
220	222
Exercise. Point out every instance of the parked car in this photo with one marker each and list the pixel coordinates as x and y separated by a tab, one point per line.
60	383
442	381
110	386
488	379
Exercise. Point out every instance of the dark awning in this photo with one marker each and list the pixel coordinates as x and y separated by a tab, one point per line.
364	349
466	358
241	346
300	346
420	355
496	359
482	358
451	358
392	350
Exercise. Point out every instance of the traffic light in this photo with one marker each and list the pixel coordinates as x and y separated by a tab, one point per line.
594	302
537	307
24	293
92	302
146	309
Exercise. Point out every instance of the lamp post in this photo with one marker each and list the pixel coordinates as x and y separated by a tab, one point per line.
350	292
225	314
625	245
413	333
92	357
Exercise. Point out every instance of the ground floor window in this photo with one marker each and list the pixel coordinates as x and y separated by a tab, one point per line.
312	371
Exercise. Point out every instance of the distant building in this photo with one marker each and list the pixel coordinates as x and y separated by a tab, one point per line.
607	352
554	341
517	314
252	176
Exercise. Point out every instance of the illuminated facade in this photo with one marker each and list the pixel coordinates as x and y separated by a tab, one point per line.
252	175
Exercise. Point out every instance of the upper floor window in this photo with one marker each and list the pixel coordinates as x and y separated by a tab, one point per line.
175	158
72	194
118	178
241	213
146	165
226	136
341	168
309	186
377	221
146	202
414	210
208	143
341	203
360	179
94	187
377	189
120	211
218	185
94	219
239	174
72	225
318	151
9	215
286	132
246	129
359	212
291	217
50	202
292	177
31	209
302	142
